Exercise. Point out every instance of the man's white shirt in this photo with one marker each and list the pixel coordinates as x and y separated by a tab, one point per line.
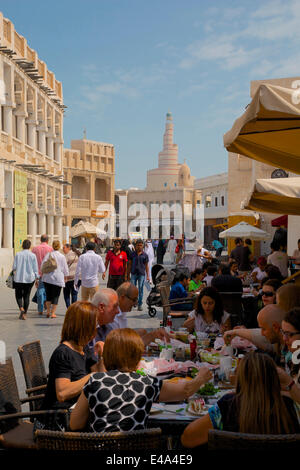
89	266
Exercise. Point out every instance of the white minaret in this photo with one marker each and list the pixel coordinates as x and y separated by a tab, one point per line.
166	175
168	157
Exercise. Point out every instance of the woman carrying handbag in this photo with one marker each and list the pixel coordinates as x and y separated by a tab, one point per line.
54	277
72	256
25	272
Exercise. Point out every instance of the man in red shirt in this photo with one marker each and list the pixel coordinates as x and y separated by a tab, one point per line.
40	252
117	261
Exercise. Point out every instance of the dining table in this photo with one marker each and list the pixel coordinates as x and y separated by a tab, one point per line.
172	418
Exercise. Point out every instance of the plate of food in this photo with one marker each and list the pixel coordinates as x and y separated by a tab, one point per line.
211	358
175	380
155	411
208	390
197	407
225	385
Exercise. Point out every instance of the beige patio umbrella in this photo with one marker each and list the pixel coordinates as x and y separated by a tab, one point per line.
85	229
269	129
278	196
244	230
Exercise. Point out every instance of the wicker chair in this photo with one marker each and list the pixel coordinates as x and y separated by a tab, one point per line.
224	440
148	439
34	371
21	434
232	303
177	317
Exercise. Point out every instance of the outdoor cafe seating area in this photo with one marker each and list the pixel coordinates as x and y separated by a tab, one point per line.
166	421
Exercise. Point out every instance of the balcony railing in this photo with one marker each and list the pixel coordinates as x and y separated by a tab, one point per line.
80	203
4	138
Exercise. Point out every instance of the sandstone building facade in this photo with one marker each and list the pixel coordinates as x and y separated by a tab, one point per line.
31	146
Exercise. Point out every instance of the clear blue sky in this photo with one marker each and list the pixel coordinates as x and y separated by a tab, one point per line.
125	63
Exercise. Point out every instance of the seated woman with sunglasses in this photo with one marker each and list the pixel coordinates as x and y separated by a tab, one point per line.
268	293
120	399
256	407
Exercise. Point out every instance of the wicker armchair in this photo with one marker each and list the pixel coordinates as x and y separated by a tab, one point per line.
164	291
232	303
34	371
225	440
20	436
148	439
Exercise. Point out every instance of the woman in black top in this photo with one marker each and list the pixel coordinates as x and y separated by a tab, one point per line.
257	406
70	366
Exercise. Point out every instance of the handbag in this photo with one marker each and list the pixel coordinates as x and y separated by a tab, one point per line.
7	408
53	422
49	265
10	280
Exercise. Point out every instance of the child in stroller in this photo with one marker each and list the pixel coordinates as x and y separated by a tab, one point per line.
158	274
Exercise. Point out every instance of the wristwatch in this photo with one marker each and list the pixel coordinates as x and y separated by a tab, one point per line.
290	386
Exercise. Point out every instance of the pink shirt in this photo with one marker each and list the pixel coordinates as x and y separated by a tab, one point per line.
40	252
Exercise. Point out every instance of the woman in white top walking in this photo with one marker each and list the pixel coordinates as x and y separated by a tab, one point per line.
55	280
25	269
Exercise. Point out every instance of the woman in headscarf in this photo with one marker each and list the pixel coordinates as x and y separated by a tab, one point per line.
161	250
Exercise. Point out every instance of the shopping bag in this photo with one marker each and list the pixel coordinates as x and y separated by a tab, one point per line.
10	281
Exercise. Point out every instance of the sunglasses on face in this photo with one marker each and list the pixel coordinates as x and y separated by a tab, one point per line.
132	300
267	294
289	334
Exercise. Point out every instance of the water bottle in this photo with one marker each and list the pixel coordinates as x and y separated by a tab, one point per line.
193	348
169	324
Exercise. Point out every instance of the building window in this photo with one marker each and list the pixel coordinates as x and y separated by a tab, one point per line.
216	202
37	141
208	201
2	119
223	201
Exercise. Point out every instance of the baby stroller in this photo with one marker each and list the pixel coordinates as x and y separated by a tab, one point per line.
158	273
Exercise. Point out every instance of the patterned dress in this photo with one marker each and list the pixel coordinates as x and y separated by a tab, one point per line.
120	401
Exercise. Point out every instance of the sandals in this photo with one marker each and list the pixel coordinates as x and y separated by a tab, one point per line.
22	315
53	315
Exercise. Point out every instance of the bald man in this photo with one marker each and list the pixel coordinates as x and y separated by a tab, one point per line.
269	320
268	336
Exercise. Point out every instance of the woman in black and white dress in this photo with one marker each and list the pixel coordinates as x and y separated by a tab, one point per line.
120	399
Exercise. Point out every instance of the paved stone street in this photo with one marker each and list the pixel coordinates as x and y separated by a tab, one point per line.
15	332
